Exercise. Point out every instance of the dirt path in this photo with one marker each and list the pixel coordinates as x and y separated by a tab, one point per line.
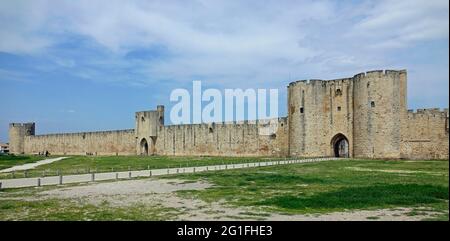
155	191
56	180
31	165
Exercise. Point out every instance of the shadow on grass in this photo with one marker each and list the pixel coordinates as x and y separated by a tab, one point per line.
270	179
14	158
363	197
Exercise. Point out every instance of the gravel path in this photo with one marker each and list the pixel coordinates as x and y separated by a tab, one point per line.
29	166
56	180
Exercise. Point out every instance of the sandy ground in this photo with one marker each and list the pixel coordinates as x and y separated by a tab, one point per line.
31	165
155	191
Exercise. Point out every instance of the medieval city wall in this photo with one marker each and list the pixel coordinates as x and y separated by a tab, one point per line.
261	138
425	135
264	138
120	142
367	113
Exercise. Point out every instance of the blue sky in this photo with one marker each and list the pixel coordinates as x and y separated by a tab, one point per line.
89	65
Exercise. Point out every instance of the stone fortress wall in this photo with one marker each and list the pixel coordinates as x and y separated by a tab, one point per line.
224	139
425	134
259	138
362	116
121	142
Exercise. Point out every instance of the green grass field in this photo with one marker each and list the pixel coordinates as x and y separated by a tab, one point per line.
308	188
7	161
69	210
331	186
84	164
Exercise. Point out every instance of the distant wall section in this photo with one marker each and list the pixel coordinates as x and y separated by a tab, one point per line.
120	142
425	135
261	138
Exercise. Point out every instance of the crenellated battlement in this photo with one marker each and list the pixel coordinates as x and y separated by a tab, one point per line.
28	124
85	133
430	112
368	74
224	124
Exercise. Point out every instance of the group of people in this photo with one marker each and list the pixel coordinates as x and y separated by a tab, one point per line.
44	153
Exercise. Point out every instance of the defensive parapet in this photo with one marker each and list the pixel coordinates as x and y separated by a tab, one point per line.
356	77
430	116
432	112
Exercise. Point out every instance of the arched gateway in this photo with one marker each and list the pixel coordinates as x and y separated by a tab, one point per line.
144	147
340	146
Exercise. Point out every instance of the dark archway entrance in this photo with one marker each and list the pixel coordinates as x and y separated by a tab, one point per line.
144	147
340	146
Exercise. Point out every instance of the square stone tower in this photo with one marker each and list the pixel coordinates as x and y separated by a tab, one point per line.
17	133
148	124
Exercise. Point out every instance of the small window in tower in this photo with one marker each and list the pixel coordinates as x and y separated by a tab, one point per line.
301	110
273	136
372	104
142	119
338	108
211	130
338	92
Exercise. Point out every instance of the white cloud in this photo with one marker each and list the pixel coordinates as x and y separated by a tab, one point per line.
20	23
68	111
228	41
394	24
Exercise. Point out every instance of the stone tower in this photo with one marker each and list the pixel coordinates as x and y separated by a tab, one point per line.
320	117
148	124
379	110
353	117
17	133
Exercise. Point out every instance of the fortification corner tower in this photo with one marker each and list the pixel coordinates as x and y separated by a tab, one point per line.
17	133
379	108
147	127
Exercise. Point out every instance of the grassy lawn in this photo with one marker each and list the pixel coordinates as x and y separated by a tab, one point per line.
331	186
67	210
7	161
308	188
84	164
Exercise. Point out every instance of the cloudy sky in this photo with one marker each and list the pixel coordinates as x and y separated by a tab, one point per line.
89	65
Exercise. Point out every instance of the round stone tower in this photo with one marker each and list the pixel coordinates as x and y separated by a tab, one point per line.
379	108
